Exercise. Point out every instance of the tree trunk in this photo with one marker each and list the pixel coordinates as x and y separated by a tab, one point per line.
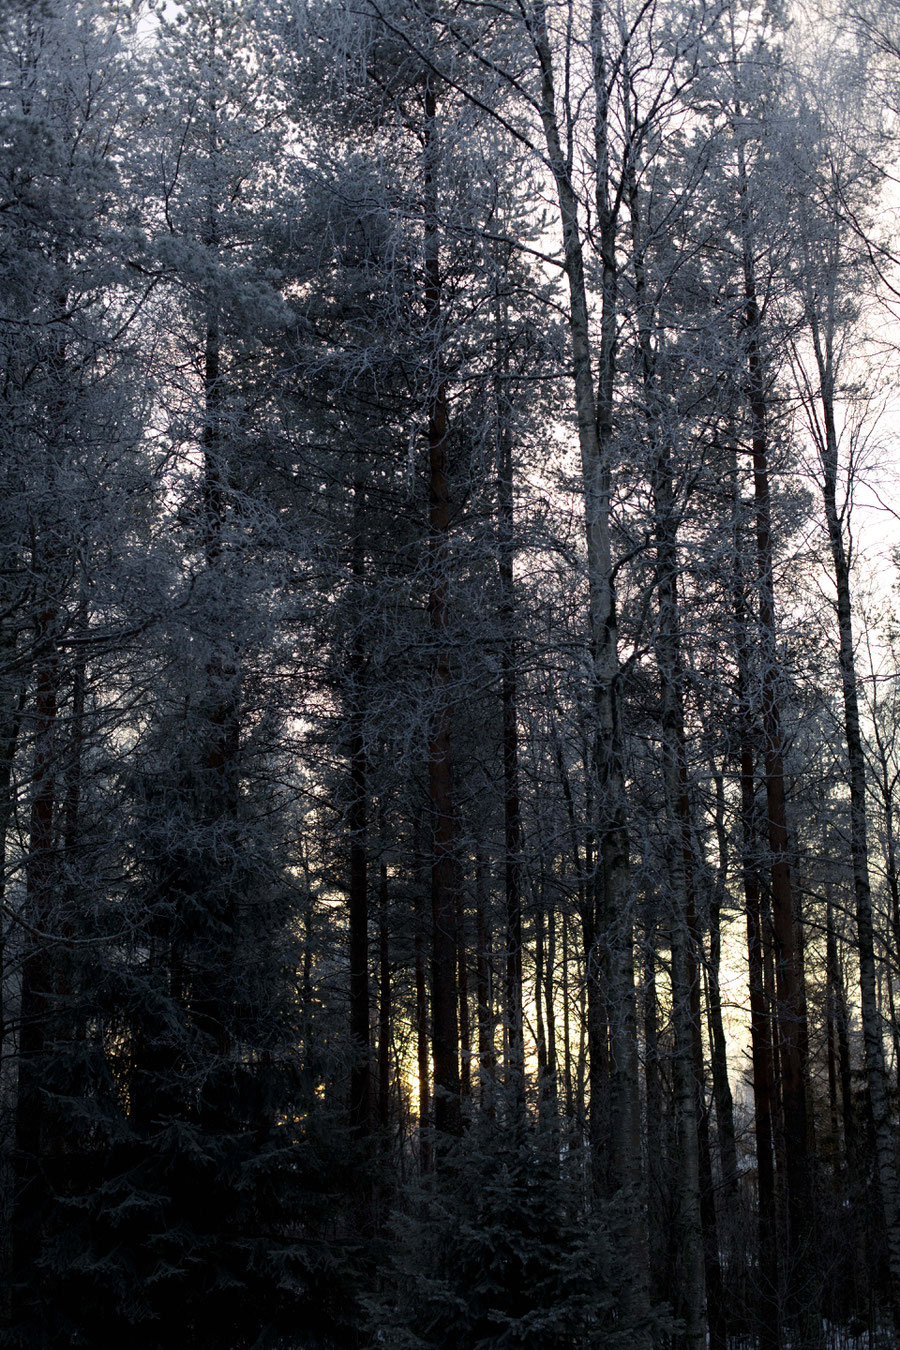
360	1071
10	727
718	1042
760	1039
700	1275
598	1053
549	996
384	1004
594	421
580	873
685	989
656	1161
422	1056
831	963
487	1055
444	874
567	1025
539	939
804	1295
512	826
462	968
763	1074
885	1146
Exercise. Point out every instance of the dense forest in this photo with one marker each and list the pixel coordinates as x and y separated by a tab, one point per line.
449	723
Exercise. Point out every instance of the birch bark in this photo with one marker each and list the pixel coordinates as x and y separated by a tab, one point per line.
594	421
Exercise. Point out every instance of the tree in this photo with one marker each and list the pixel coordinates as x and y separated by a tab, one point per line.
838	178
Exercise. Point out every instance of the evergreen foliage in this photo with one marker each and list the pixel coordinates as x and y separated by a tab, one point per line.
427	435
502	1248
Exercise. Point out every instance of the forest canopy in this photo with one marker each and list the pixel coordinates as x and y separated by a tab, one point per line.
449	700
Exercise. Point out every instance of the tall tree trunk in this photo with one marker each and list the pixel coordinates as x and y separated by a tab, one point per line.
581	872
760	1039
549	996
685	988
599	1072
72	1024
718	1042
567	1025
539	941
444	873
700	1275
512	825
885	1144
656	1162
487	1055
893	882
763	1073
778	1134
384	1004
831	973
74	772
462	968
886	789
422	1039
360	1070
613	899
11	711
804	1294
842	1019
543	1003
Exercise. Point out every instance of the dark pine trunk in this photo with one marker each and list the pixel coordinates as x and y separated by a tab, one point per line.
803	1294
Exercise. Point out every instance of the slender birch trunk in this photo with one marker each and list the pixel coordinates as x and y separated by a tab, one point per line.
612	885
725	1128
